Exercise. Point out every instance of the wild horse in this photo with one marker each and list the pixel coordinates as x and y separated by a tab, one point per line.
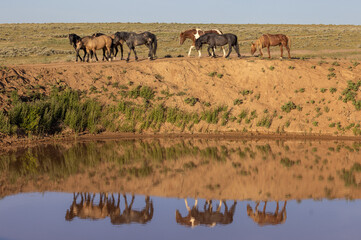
91	44
194	34
268	40
213	40
74	39
133	39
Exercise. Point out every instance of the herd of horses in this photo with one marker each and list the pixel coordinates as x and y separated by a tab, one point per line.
109	206
213	38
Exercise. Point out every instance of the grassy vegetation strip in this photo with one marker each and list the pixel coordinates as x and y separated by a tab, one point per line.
70	109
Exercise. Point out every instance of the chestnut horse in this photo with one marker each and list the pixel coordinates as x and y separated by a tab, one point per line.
263	218
268	40
194	34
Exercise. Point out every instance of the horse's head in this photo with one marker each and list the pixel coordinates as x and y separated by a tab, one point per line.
249	210
181	38
253	48
69	216
79	45
71	38
198	44
116	39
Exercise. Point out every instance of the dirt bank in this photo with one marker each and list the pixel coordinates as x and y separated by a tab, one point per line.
258	96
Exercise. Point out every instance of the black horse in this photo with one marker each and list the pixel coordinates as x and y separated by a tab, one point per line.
213	40
74	39
133	39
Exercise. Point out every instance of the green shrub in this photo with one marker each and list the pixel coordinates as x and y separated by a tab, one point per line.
288	107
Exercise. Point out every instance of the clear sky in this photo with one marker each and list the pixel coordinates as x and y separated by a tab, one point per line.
183	11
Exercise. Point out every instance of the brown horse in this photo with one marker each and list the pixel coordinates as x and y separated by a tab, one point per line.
208	217
86	209
268	40
129	215
194	34
263	218
91	44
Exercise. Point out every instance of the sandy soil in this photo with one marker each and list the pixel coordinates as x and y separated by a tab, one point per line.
271	83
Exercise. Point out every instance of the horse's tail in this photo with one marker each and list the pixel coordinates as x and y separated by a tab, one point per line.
289	41
155	45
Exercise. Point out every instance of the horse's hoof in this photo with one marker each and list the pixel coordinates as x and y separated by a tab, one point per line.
113	58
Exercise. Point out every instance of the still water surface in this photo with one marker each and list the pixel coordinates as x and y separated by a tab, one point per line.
44	190
43	216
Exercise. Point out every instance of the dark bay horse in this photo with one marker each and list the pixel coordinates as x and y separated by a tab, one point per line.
128	215
74	39
194	34
91	44
268	40
133	39
213	40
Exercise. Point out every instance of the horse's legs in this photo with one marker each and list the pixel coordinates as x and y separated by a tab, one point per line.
236	48
288	50
78	56
85	53
209	52
281	48
229	50
103	54
213	52
130	50
260	52
135	53
264	207
88	53
150	54
269	53
190	50
109	52
95	54
224	51
121	51
116	51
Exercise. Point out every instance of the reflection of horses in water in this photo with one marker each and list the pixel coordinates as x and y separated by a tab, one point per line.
128	215
108	207
208	217
263	218
86	209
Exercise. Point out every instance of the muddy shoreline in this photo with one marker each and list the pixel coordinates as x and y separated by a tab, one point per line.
12	143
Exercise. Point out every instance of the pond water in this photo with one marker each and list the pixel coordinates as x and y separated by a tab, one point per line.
182	189
44	216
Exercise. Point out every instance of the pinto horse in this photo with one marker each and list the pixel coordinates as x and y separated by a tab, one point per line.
194	34
214	40
133	39
208	217
267	40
